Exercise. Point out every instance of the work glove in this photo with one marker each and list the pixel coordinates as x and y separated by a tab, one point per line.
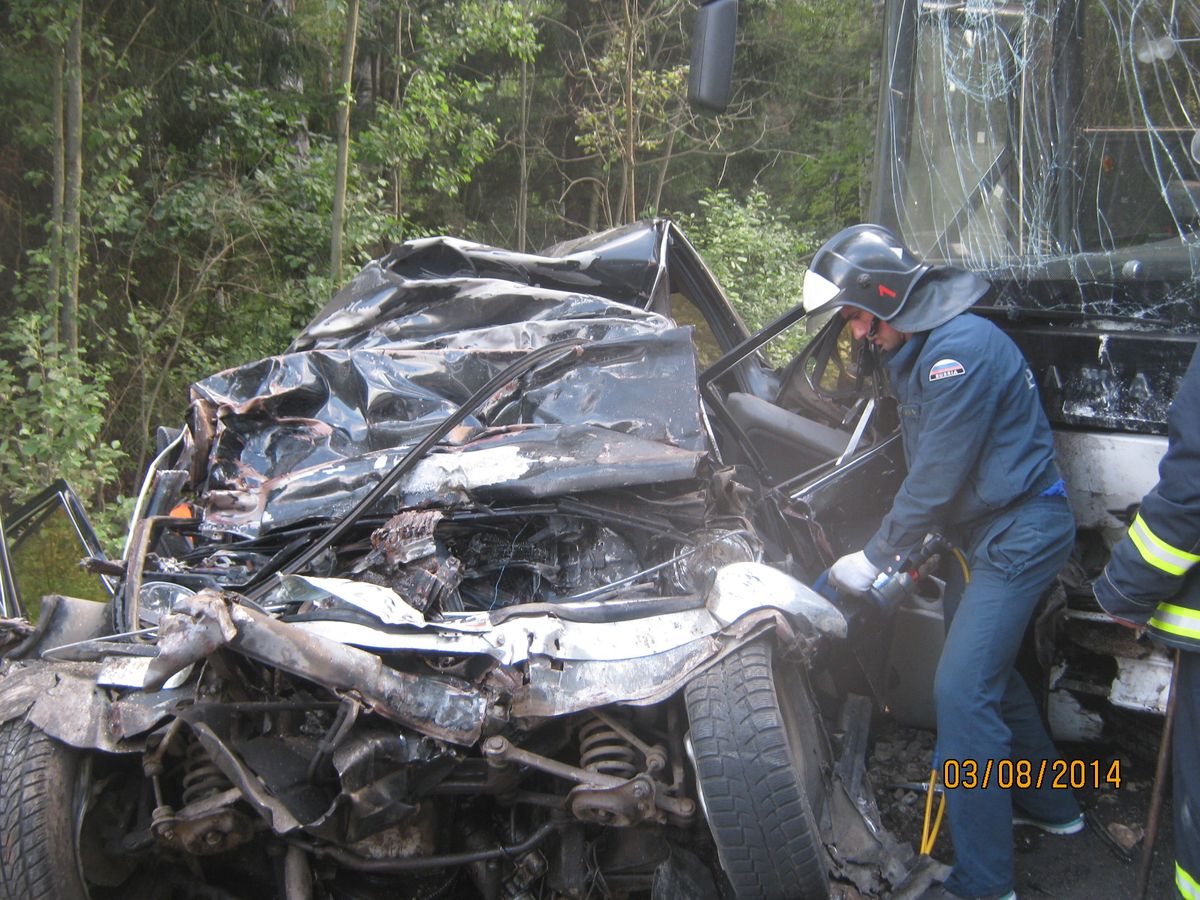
854	573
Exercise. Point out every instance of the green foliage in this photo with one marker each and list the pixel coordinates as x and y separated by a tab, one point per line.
54	414
757	255
209	154
813	132
46	561
434	136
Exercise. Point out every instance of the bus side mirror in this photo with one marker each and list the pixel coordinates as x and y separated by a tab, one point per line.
711	78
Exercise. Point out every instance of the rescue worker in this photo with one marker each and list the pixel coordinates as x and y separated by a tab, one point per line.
981	470
1152	580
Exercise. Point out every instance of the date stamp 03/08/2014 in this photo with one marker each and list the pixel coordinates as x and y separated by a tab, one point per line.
1057	774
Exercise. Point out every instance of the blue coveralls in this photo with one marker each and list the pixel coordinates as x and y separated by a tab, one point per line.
981	470
1153	579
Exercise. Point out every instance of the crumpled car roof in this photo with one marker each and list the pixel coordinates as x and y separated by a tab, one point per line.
304	435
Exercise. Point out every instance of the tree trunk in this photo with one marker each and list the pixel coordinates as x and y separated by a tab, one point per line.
345	102
630	210
73	187
523	155
55	273
666	161
398	171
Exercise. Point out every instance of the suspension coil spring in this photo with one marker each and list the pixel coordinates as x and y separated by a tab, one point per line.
201	777
603	750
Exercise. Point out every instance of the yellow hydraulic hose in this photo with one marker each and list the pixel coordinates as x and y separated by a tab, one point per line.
928	834
962	561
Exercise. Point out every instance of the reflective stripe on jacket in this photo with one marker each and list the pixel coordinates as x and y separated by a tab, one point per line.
1186	884
1152	577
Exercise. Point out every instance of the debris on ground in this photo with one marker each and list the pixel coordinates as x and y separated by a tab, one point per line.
1100	863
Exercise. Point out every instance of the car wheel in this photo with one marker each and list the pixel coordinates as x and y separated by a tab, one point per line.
40	815
754	741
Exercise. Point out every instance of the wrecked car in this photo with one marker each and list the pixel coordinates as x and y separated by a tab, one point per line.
456	597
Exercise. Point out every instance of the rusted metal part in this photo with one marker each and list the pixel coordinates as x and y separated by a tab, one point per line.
196	626
430	705
405	557
14	633
407	536
96	566
442	861
61	699
654	755
634	799
620	806
418	835
201	833
276	814
433	706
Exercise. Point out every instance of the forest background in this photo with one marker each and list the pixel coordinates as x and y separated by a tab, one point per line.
183	184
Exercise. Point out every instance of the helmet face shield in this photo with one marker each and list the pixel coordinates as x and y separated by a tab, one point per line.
819	291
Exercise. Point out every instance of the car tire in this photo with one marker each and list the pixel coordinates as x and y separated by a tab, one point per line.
38	844
747	721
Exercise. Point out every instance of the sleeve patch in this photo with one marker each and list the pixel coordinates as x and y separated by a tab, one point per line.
946	368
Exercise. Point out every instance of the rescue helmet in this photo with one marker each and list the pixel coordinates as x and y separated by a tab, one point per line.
864	266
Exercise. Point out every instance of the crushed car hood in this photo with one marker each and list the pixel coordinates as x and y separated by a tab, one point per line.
303	436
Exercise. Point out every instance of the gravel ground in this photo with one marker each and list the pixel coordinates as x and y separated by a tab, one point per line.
1086	866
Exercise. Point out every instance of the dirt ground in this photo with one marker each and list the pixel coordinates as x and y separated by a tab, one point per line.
1100	863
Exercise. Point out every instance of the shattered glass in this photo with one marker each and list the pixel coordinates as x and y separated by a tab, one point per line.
1055	142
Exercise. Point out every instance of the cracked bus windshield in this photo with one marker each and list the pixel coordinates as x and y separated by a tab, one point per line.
1051	137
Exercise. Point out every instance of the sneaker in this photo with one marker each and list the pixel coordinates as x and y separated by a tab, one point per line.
1074	826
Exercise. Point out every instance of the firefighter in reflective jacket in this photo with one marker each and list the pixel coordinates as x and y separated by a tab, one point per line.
1152	579
981	468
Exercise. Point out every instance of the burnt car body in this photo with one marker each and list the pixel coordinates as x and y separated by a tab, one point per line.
456	597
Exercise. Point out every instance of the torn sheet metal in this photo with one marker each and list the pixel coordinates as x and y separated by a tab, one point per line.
517	639
437	288
742	587
64	700
500	466
381	602
557	688
303	436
